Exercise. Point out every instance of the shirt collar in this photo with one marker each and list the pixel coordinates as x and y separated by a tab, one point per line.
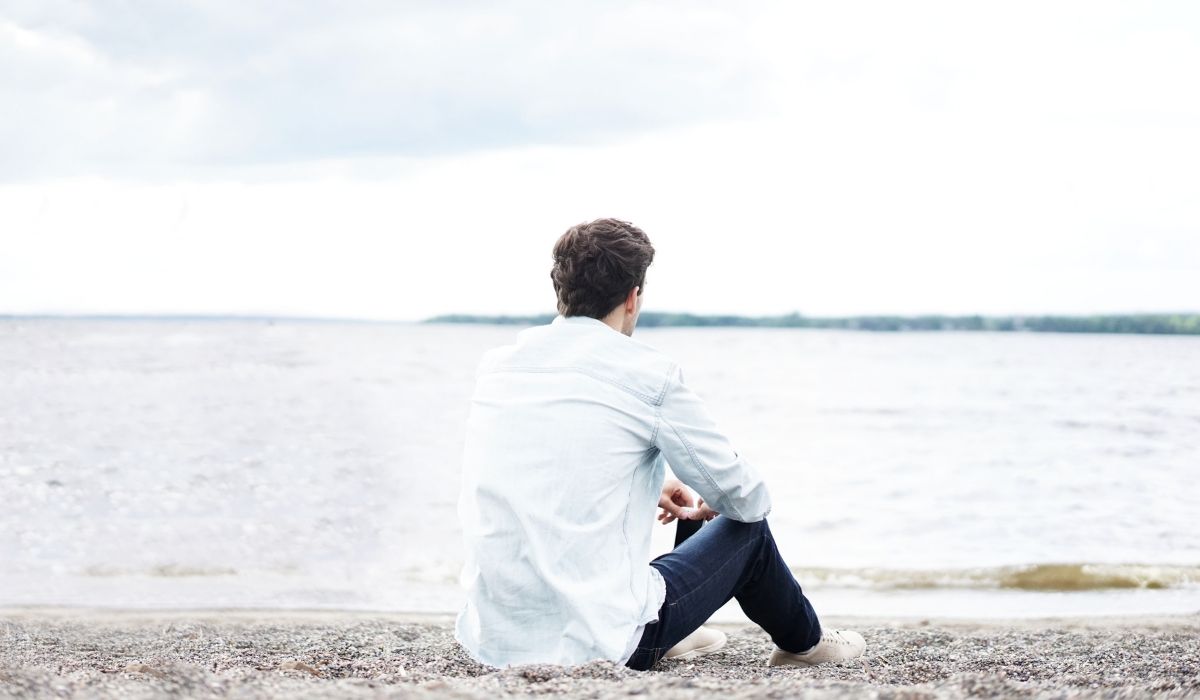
578	321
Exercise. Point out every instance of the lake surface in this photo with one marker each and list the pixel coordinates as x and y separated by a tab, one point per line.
305	465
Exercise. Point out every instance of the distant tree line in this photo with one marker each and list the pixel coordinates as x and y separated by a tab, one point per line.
1171	324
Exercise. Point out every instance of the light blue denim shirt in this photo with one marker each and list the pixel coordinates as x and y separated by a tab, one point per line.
563	464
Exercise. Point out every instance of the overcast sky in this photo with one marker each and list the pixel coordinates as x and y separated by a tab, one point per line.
402	159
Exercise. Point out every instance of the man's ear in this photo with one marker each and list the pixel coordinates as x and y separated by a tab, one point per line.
631	300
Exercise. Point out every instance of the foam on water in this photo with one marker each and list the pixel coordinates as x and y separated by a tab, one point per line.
1029	577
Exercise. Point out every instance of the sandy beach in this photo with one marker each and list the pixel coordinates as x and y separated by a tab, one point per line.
89	653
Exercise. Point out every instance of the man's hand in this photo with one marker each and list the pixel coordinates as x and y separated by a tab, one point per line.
677	504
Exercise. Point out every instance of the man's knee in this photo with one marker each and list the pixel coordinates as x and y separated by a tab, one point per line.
762	529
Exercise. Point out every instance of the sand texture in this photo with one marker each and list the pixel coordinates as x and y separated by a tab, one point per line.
64	653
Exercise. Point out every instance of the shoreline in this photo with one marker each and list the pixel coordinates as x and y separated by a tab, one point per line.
94	613
88	652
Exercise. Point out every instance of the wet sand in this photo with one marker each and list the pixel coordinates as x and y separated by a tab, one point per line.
89	653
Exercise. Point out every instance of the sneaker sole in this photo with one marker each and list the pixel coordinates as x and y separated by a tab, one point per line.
779	660
773	661
699	651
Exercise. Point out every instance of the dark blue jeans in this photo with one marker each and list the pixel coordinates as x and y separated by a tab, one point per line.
727	559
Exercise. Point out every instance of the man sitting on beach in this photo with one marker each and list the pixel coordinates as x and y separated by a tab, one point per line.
567	436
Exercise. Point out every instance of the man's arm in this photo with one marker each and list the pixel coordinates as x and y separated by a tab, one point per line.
702	457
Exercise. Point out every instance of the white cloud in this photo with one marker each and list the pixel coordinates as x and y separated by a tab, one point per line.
152	90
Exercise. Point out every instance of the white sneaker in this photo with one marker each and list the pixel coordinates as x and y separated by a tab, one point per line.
705	640
835	645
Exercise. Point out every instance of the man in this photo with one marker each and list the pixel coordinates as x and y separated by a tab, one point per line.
563	464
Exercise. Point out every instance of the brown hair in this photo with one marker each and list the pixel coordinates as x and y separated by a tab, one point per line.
596	264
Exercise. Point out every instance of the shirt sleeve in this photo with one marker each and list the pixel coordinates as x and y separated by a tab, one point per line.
702	457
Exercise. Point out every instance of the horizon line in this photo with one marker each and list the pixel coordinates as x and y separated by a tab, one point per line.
223	316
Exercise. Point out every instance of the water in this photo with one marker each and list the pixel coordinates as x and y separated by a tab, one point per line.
308	465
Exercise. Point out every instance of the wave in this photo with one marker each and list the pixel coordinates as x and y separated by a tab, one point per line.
1030	577
1027	577
160	571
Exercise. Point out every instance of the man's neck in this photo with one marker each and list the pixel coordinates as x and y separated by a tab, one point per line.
616	321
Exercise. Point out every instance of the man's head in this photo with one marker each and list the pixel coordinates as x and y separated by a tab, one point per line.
600	271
